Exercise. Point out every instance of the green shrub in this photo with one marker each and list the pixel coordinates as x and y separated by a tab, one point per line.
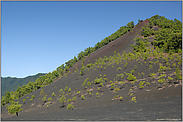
157	62
170	78
53	94
82	96
69	100
116	96
98	80
152	75
141	84
134	99
74	99
132	71
101	85
161	80
50	99
116	82
66	89
131	94
78	92
131	77
178	74
47	105
116	89
70	106
147	83
150	66
135	68
82	70
90	93
88	65
31	99
42	92
44	99
24	100
14	108
89	83
99	89
61	90
69	90
112	87
62	99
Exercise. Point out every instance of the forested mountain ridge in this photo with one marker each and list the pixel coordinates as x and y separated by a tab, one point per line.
12	83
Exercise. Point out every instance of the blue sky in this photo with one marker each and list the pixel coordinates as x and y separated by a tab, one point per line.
37	37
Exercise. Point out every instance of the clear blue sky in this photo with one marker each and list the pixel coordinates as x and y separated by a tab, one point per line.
37	37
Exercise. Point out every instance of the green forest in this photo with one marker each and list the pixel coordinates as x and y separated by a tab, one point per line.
11	84
168	39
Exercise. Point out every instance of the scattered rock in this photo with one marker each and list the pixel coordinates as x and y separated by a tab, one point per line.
175	82
159	87
176	85
148	90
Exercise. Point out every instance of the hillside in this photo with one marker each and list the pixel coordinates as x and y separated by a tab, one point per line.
116	82
12	83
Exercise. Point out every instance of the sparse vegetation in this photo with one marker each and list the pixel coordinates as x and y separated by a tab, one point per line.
82	96
66	89
134	99
74	99
62	99
24	100
53	94
70	106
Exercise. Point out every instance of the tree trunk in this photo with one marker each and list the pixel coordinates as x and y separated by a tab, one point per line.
17	113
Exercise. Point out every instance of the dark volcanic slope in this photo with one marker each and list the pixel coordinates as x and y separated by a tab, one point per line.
153	103
119	45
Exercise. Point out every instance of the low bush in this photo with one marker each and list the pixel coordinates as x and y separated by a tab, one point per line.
44	99
82	96
24	100
50	99
131	77
69	100
70	106
121	98
66	89
116	90
31	99
178	74
74	99
116	96
53	94
32	96
62	99
134	99
69	90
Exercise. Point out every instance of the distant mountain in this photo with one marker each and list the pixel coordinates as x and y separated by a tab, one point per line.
12	83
